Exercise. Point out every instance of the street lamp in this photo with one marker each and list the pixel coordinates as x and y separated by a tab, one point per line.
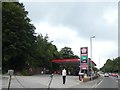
99	64
91	53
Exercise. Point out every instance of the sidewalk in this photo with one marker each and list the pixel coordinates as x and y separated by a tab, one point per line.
89	84
42	81
26	81
70	81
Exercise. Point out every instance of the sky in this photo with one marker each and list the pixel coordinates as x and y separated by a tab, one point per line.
72	23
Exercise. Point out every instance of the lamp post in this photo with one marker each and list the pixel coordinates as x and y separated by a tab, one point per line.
91	54
99	64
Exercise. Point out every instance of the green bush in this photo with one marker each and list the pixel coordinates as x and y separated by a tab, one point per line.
24	72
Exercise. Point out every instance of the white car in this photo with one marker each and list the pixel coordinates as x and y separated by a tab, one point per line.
106	75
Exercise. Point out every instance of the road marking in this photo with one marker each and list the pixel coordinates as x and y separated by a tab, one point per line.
94	85
97	84
115	79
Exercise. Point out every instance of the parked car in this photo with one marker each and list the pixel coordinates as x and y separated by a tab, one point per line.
114	75
57	72
106	75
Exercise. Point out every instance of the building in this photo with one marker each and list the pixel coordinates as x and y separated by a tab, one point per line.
73	66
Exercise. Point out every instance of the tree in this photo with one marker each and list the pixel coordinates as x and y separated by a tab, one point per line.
21	49
18	36
95	69
45	51
66	52
111	65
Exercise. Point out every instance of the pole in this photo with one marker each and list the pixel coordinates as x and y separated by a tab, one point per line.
9	83
50	81
99	63
91	55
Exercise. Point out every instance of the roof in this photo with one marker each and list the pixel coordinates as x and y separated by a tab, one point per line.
66	60
69	60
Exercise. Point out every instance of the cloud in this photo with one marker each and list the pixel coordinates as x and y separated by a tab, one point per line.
60	34
86	18
111	15
73	23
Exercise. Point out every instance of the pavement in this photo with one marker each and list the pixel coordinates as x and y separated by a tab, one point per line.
89	84
26	81
42	81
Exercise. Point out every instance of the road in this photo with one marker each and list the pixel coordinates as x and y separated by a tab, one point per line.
108	82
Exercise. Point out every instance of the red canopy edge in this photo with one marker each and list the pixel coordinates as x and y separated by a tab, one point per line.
69	60
65	60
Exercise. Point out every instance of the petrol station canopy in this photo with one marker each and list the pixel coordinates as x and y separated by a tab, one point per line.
71	60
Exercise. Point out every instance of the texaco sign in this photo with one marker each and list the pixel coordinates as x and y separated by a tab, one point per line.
84	54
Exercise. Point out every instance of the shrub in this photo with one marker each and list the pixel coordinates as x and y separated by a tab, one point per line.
24	72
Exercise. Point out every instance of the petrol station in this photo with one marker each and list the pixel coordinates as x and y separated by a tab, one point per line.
83	64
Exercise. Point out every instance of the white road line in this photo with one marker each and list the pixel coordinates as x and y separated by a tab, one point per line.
94	86
97	84
114	79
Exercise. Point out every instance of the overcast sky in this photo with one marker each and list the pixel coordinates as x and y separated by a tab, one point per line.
73	23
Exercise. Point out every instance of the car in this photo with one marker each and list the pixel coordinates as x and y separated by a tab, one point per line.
106	75
114	75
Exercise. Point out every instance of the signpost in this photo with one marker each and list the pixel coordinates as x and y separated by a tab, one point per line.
83	61
84	55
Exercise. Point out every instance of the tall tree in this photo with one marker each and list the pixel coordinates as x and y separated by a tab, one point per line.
45	51
67	52
18	36
112	65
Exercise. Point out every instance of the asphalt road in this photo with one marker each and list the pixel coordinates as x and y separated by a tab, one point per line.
108	82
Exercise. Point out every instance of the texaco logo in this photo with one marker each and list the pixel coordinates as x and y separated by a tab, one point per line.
84	50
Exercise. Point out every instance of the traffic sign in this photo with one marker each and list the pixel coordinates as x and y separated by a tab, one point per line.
84	54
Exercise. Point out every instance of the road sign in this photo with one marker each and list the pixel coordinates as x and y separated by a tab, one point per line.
84	50
84	66
84	59
84	54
